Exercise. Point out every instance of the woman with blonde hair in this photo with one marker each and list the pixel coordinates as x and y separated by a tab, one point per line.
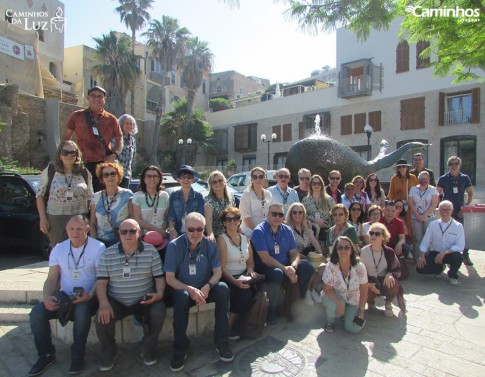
217	199
318	205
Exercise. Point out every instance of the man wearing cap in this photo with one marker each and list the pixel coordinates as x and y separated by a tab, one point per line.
281	192
183	201
72	263
94	129
302	189
418	163
130	280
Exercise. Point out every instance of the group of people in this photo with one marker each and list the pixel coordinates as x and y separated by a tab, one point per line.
122	253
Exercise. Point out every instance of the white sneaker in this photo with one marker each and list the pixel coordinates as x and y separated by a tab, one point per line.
308	298
316	297
453	281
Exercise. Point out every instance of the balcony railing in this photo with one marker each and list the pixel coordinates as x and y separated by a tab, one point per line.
453	118
356	85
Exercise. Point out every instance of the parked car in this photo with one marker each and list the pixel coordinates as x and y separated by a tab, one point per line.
240	181
19	219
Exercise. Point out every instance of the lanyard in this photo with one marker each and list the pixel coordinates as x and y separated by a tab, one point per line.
284	195
424	192
379	262
274	235
154	201
76	264
109	203
444	231
128	257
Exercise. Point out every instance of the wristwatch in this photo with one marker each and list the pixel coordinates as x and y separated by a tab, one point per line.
168	230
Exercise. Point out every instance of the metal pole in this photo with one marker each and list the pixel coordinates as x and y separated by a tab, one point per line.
268	153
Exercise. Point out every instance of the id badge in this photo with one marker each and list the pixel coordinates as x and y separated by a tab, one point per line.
69	195
276	249
192	269
76	275
126	272
317	215
95	131
455	190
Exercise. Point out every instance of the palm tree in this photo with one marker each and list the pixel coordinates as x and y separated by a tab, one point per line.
135	15
167	41
116	69
194	64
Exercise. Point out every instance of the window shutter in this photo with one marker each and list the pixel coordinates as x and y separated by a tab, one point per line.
475	105
301	130
346	125
375	120
241	141
277	131
441	109
287	132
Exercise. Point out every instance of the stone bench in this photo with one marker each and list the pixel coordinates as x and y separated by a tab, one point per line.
201	321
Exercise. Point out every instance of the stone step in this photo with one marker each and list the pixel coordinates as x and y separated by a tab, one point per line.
21	293
14	313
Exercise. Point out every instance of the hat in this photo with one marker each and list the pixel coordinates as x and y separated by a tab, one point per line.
185	169
402	162
96	88
155	239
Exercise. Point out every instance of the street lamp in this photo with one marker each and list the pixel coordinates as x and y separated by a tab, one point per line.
368	130
263	139
185	145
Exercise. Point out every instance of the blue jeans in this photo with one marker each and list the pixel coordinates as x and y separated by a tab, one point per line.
219	294
81	317
349	315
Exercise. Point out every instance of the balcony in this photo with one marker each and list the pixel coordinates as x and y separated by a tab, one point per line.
454	118
359	78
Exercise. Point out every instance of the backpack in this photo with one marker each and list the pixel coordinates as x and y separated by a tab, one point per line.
51	171
252	322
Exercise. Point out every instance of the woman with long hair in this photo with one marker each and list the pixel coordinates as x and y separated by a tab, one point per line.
217	199
356	218
255	201
374	190
374	214
360	195
344	286
65	190
341	227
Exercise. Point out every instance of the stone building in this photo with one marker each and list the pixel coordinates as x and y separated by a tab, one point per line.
232	85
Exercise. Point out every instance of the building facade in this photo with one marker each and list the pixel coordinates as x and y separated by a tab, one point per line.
232	85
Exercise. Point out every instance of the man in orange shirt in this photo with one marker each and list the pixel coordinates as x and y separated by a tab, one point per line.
94	129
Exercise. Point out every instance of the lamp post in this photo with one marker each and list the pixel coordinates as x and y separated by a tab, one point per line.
263	139
185	145
368	130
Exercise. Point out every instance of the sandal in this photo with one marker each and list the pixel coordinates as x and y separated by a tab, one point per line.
329	328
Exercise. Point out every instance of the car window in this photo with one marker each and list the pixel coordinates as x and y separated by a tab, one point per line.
11	189
236	181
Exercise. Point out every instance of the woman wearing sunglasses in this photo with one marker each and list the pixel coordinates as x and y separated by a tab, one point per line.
340	215
255	202
383	270
318	205
374	190
109	206
65	190
237	265
344	287
360	195
356	218
217	199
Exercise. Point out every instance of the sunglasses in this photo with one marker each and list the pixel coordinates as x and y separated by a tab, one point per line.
343	247
377	234
277	214
214	182
152	176
373	180
358	182
192	230
338	214
65	152
317	183
99	96
234	219
297	212
186	176
255	176
110	174
454	163
304	178
355	209
335	178
124	232
398	207
281	176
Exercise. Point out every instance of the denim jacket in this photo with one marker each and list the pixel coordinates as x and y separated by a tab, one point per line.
179	209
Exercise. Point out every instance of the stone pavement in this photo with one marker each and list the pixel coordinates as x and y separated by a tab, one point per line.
443	334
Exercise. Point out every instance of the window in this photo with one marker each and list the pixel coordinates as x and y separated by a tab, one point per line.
420	61
287	132
459	108
249	162
220	138
219	89
346	125
402	57
156	66
412	113
241	91
53	69
277	131
359	78
92	82
203	86
41	35
279	160
464	147
408	156
245	137
359	123
221	162
375	120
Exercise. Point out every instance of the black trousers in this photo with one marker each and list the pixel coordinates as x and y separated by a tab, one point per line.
453	259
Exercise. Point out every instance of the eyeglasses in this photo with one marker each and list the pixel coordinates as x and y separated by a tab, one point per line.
110	174
297	212
358	182
373	180
343	247
454	163
398	207
94	96
192	230
283	176
277	214
234	219
255	176
377	234
124	232
375	213
217	181
304	178
186	176
317	183
338	214
355	209
152	176
335	178
65	152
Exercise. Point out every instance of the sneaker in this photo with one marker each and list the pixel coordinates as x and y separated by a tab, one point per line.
225	352
329	328
308	298
148	358
233	334
42	364
453	281
77	367
177	363
388	310
316	297
467	261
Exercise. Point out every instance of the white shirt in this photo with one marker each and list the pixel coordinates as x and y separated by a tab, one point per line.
255	209
443	236
422	199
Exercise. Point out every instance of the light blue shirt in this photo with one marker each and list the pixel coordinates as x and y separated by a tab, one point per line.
286	198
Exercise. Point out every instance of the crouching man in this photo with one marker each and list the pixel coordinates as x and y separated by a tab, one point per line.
193	271
130	281
72	263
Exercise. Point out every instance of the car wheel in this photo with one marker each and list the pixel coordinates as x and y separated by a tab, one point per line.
44	246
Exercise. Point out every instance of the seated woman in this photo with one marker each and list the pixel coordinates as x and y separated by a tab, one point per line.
305	240
318	205
374	214
360	195
340	215
401	214
236	256
217	199
356	218
374	190
383	270
344	286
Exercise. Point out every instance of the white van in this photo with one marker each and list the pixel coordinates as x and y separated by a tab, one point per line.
240	181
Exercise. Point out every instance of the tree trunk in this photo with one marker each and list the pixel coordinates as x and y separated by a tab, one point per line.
188	113
132	99
156	129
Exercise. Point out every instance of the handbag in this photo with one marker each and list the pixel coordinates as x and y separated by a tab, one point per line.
65	306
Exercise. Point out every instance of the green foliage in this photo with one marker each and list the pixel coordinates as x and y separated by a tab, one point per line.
8	165
218	104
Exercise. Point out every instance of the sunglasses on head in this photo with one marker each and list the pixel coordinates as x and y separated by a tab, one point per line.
192	230
277	214
234	219
256	176
124	232
110	174
343	247
377	234
65	152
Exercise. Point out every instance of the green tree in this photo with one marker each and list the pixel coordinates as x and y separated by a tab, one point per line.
194	64
445	34
198	129
167	41
135	15
116	68
218	104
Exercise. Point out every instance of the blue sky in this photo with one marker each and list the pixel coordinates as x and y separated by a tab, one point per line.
254	40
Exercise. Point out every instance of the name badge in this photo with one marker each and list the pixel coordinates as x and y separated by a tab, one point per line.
192	269
455	190
76	275
69	194
317	215
95	131
276	249
126	272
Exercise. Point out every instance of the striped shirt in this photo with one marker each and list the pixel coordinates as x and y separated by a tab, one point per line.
130	277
